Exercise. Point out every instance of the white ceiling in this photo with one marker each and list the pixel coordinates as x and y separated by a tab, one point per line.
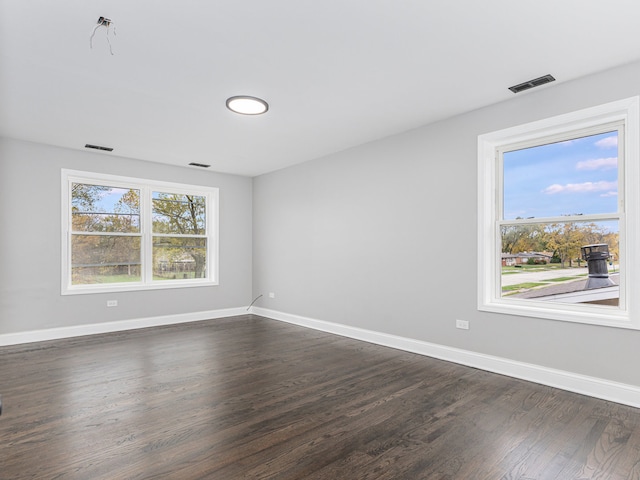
336	73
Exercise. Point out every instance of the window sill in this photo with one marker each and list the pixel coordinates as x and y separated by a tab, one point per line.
596	314
135	287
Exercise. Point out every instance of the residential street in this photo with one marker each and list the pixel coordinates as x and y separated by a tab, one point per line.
536	276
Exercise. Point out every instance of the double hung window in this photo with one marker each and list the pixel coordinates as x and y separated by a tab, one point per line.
124	233
558	205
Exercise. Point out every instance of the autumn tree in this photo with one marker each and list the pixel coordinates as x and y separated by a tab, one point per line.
563	239
95	257
522	238
567	238
181	219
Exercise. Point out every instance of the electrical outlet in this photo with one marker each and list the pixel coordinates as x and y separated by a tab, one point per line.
112	303
463	324
272	295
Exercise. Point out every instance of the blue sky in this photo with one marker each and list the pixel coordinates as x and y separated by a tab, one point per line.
579	176
107	200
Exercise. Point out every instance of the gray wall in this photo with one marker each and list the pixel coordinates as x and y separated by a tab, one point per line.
30	242
383	237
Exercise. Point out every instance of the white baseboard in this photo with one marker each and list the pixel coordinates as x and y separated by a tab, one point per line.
573	382
108	327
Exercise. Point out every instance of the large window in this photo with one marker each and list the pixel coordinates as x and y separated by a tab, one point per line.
130	234
558	205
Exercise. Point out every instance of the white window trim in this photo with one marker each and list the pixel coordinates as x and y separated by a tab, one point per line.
146	187
489	298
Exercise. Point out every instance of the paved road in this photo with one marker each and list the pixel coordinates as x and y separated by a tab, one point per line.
536	276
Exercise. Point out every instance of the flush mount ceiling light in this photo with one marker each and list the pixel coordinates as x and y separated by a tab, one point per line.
246	105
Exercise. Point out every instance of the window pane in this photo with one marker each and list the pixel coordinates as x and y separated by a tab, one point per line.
178	214
98	208
179	258
545	262
104	259
575	177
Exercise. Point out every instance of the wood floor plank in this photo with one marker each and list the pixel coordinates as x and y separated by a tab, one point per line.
252	398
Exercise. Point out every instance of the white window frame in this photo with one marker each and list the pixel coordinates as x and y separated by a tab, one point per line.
146	188
489	202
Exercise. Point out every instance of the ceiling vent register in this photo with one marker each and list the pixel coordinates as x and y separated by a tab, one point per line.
99	147
536	82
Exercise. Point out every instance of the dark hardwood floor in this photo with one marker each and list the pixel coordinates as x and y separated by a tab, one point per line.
252	398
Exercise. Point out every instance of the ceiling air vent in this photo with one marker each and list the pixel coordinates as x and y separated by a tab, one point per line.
201	165
536	82
98	147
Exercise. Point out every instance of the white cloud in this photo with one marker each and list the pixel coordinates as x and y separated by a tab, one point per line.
585	187
609	194
608	142
598	164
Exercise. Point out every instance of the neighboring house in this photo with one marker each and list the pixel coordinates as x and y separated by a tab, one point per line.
510	259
